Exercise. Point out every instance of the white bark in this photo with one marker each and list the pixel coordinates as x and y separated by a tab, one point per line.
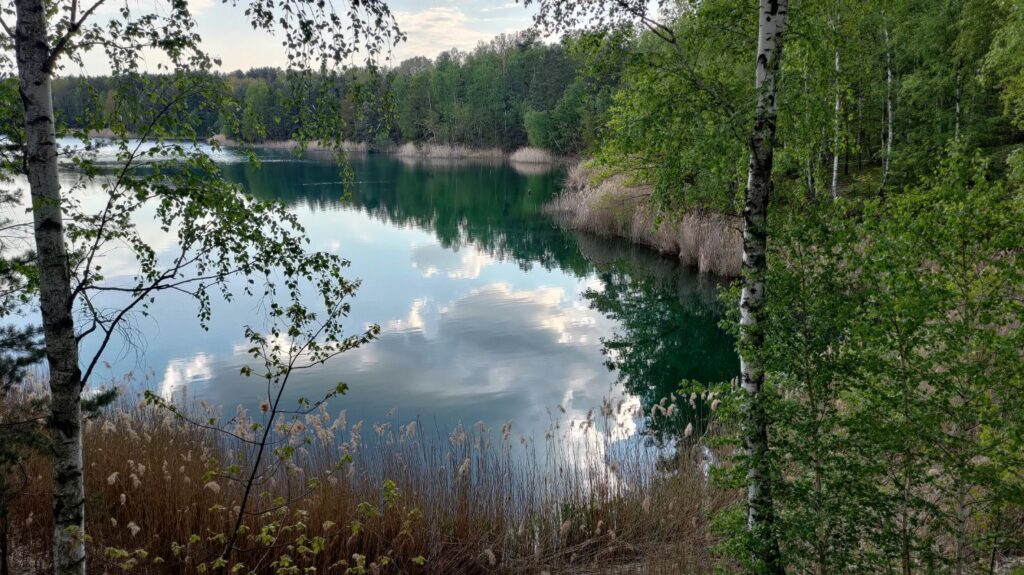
888	105
760	504
836	132
55	298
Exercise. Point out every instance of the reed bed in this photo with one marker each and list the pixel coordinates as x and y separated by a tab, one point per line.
532	169
447	151
613	206
385	498
529	155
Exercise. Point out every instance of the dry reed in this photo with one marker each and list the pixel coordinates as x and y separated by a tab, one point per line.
710	242
530	155
447	151
523	158
477	501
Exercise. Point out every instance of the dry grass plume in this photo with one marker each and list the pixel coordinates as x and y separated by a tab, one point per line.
476	501
710	242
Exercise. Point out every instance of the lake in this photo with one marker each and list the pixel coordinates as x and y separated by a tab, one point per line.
489	311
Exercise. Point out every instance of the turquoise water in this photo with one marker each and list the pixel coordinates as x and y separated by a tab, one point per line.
490	312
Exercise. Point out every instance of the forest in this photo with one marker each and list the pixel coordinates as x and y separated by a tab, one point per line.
513	91
867	158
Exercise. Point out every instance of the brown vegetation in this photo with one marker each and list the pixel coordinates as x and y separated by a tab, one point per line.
529	155
707	241
522	159
478	501
446	151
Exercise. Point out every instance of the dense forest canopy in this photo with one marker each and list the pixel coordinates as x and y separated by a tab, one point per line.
511	92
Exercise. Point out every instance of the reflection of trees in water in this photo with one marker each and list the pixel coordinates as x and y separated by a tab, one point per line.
486	204
667	316
667	329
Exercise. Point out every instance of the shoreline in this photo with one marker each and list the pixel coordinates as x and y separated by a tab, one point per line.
609	206
707	241
524	155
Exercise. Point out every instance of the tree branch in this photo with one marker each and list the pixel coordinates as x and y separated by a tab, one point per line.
73	27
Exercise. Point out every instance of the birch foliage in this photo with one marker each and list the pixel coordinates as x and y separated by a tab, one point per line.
159	167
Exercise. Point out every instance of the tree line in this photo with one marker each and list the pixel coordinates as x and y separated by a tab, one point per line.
508	93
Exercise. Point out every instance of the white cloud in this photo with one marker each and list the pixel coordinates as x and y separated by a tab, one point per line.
465	263
139	7
182	371
197	6
413	321
436	29
506	6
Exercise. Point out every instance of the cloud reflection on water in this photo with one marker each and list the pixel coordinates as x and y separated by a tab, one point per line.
481	300
183	372
463	263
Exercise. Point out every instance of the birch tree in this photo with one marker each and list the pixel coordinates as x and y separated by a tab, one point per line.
889	121
760	504
772	14
221	232
834	24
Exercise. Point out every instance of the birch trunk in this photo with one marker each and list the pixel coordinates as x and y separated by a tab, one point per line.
836	134
888	105
55	299
760	503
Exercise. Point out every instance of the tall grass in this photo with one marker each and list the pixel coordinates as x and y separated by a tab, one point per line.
708	241
447	151
409	500
529	155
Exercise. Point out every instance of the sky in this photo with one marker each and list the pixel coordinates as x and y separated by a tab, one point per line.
432	26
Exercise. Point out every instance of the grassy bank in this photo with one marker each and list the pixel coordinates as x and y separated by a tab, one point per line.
613	206
393	497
